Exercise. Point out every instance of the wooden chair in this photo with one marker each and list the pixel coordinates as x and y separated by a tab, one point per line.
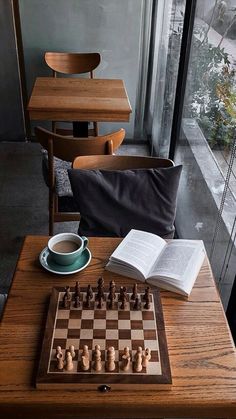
120	162
67	148
73	63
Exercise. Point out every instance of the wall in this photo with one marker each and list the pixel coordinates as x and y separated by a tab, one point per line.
11	120
110	27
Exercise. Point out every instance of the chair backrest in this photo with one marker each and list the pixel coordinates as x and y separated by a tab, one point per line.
67	148
120	162
72	63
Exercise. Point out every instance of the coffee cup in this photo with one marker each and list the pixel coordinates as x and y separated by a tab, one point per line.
65	248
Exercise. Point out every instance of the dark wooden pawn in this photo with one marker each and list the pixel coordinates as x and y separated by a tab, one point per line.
123	301
77	290
136	304
99	302
121	293
90	292
77	302
135	292
111	303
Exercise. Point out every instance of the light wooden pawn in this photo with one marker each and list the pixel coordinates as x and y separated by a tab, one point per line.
97	358
85	358
138	360
126	359
60	361
146	357
111	359
72	351
69	362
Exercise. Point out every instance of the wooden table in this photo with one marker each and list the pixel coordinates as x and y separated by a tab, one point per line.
201	350
79	99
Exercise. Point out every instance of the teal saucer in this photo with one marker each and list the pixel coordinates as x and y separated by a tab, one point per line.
80	263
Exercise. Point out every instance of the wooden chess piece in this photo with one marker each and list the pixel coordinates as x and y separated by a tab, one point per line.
111	359
146	357
123	301
147	298
58	350
77	290
85	358
60	361
136	304
111	304
121	294
72	351
126	359
112	290
135	292
87	302
100	289
67	298
77	302
90	292
97	359
138	360
69	362
99	306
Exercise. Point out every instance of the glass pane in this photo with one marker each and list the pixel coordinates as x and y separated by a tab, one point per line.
167	36
207	207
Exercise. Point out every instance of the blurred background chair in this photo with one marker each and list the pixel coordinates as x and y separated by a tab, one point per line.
132	192
59	153
73	63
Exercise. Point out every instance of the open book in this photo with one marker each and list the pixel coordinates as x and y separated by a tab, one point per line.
173	266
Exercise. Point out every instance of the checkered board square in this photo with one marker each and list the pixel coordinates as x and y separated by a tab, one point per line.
105	326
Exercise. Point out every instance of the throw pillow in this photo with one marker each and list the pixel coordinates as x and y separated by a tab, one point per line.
112	202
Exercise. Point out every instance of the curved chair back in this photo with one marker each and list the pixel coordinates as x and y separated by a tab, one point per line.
120	162
72	63
67	148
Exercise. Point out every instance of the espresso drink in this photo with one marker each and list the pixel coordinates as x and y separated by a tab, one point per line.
65	246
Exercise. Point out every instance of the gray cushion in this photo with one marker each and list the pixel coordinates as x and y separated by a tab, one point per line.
62	183
113	202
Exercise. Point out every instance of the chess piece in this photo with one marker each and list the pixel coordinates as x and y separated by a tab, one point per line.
77	290
112	290
72	351
67	298
147	298
111	304
97	359
121	294
60	361
69	362
77	302
147	294
136	304
126	359
58	350
146	357
111	359
123	301
138	360
85	358
87	302
99	302
100	289
90	292
135	292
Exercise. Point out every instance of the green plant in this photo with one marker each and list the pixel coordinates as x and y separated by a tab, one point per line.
211	92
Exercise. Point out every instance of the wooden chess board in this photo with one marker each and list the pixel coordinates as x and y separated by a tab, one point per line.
105	327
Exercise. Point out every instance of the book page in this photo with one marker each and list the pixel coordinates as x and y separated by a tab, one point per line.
177	258
140	250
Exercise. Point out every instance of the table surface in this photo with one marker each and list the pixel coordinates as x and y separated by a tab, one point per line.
79	99
201	349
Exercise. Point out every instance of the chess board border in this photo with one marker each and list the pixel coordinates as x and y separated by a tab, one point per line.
45	380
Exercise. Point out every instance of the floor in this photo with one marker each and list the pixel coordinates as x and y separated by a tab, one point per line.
23	201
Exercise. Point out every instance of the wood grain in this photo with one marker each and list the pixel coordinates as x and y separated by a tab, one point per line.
201	351
77	99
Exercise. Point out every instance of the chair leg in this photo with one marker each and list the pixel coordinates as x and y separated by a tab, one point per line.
51	214
53	126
